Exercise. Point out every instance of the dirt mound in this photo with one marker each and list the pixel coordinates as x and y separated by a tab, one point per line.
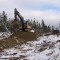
24	35
17	38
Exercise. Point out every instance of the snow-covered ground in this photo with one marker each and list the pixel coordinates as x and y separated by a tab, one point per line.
44	48
4	35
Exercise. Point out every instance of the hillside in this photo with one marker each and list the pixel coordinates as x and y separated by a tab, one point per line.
17	38
44	48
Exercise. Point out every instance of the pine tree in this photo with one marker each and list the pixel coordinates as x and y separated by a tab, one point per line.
43	26
49	28
52	28
39	26
34	24
4	17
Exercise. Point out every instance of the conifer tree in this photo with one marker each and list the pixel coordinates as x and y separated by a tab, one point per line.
52	28
4	16
49	28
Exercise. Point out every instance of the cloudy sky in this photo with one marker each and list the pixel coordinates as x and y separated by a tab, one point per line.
48	10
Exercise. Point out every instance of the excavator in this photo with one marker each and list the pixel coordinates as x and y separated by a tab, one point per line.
16	23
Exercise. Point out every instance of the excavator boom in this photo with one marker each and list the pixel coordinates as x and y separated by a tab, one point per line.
16	13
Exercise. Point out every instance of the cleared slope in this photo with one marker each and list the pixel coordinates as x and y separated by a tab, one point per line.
17	38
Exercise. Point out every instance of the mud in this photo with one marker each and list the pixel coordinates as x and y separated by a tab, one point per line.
17	38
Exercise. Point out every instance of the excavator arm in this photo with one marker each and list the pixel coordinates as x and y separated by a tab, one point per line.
21	18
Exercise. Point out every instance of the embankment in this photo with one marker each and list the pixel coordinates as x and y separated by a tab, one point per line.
17	38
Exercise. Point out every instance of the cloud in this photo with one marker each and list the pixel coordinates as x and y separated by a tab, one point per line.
49	16
49	10
39	2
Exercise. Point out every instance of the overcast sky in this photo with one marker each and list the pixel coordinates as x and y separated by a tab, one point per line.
48	10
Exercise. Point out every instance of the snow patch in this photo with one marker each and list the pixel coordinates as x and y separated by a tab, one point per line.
44	48
4	35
